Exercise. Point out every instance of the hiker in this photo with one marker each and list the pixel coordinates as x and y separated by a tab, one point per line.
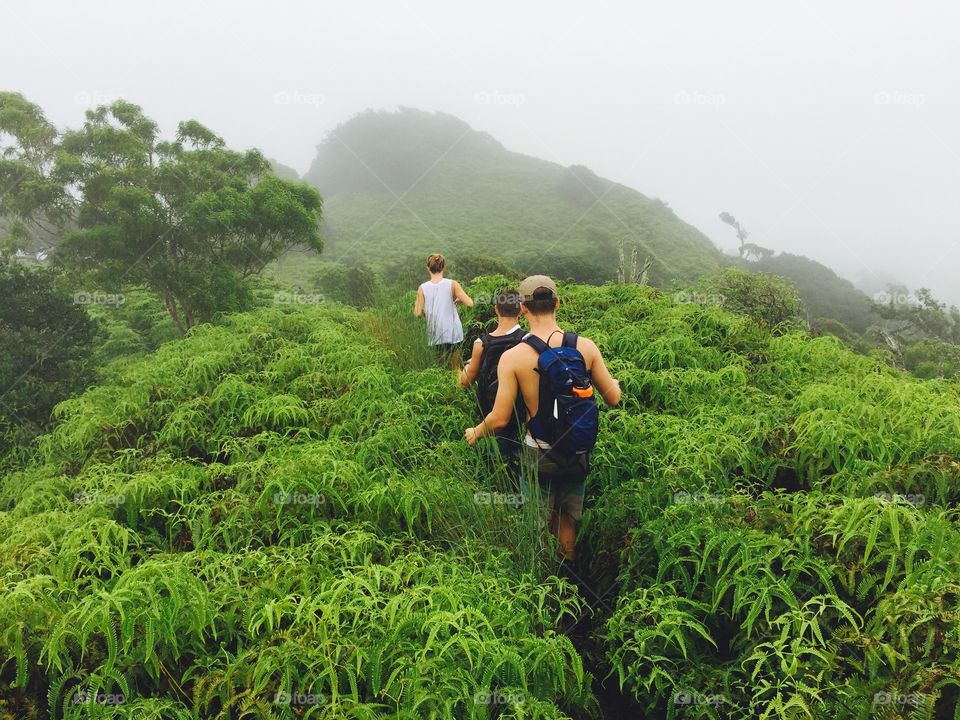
437	298
556	373
482	369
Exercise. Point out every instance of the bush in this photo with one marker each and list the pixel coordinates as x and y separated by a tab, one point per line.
353	285
932	358
771	301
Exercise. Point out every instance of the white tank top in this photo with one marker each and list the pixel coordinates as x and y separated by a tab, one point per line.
443	320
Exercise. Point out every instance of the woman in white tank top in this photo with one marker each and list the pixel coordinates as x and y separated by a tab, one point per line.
437	299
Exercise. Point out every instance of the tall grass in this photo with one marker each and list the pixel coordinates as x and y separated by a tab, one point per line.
391	322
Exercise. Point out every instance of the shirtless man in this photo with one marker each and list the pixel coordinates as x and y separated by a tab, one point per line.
561	478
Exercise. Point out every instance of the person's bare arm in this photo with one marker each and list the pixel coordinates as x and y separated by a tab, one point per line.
503	406
603	381
460	295
418	305
470	371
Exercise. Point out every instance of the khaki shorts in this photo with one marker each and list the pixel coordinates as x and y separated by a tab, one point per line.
561	480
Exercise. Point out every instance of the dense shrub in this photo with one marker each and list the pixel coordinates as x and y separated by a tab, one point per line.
770	300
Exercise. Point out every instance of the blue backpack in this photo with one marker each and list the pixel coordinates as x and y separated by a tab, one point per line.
567	415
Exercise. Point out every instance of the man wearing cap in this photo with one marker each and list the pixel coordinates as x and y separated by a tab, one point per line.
561	478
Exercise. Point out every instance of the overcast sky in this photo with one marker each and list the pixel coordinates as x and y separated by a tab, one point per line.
828	129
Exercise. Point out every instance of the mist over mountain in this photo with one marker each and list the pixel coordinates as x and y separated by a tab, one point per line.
408	183
403	184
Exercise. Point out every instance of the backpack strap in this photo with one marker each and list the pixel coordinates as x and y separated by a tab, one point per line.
536	343
570	340
540	346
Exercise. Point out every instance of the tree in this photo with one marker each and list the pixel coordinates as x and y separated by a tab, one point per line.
922	333
46	341
824	293
30	200
189	219
741	231
746	249
919	316
630	271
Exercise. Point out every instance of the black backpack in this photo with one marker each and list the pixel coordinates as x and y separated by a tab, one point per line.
494	346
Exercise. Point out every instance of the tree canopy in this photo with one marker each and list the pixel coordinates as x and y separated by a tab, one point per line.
188	218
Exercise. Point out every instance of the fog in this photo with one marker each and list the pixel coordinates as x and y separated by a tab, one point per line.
827	129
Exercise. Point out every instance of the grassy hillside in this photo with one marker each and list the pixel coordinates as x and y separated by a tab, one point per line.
404	184
278	517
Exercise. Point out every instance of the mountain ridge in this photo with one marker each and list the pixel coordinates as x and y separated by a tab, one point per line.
410	182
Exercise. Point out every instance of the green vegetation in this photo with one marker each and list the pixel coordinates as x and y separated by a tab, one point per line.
48	344
405	184
258	512
770	300
188	219
278	517
785	513
824	293
922	333
914	332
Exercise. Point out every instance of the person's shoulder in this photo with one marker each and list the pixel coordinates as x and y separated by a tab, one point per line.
519	350
586	344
